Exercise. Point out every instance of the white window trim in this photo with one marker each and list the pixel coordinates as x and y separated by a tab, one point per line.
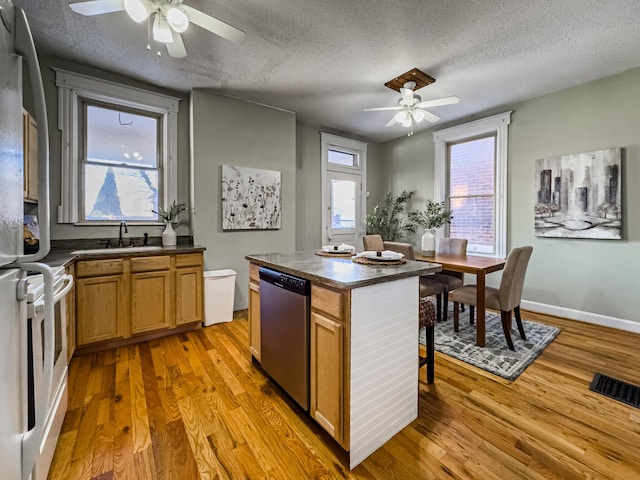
72	89
498	124
329	141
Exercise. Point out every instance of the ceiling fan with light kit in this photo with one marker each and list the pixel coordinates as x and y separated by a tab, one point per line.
410	106
167	20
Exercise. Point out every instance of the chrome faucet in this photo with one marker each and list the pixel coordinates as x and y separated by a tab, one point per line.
122	224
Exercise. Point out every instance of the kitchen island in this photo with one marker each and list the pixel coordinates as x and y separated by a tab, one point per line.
363	343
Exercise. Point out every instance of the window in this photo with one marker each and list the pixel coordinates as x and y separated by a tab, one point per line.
471	177
343	166
119	151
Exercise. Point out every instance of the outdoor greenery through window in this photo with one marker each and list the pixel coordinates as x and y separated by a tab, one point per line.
121	167
472	191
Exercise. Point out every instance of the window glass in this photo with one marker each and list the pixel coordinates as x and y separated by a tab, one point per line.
343	204
472	192
121	168
342	158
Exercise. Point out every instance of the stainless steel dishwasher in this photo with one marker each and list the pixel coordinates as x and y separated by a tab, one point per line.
284	332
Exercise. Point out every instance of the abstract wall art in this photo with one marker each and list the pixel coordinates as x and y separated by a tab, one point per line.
579	195
250	198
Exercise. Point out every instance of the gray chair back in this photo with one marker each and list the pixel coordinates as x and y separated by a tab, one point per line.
372	242
452	246
512	283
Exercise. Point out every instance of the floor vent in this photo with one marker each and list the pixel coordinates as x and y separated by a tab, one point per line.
616	389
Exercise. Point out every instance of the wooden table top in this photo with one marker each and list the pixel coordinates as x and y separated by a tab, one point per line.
465	263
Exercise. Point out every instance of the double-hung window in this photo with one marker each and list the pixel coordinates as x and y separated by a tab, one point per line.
471	177
119	151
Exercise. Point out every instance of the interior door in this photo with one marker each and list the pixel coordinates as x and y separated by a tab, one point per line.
344	221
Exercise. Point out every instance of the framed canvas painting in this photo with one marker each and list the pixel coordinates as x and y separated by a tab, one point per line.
250	198
579	195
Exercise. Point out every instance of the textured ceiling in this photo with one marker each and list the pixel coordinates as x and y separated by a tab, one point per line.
327	60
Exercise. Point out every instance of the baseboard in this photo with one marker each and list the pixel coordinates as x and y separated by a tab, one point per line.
588	317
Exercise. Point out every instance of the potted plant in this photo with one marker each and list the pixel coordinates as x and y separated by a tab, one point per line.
388	220
168	216
434	216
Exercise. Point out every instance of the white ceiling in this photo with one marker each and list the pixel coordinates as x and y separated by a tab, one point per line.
327	60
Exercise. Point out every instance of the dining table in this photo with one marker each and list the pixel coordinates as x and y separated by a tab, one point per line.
476	265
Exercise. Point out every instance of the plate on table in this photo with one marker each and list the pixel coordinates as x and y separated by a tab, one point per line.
383	256
344	248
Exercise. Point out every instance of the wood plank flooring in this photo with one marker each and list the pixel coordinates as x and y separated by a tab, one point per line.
194	406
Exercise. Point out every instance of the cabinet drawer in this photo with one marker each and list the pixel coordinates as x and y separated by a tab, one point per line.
254	273
189	260
93	268
148	264
328	301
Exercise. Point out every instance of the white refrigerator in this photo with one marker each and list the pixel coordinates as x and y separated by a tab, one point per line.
20	438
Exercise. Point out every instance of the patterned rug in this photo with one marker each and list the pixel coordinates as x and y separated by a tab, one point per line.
495	357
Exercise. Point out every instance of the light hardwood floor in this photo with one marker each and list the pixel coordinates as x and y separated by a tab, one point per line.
194	406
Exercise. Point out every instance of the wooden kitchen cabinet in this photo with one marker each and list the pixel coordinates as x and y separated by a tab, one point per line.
329	361
30	146
150	293
254	311
189	273
121	299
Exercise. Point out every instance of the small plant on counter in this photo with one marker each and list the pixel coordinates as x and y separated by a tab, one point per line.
170	214
388	220
434	215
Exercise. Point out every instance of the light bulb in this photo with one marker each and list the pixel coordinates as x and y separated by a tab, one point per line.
161	30
418	115
177	19
401	116
138	10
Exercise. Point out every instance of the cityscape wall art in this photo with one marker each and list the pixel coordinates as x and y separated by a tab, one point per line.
579	195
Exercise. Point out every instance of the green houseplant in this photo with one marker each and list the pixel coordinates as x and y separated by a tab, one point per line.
389	219
434	216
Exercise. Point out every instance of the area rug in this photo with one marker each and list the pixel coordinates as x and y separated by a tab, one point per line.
495	357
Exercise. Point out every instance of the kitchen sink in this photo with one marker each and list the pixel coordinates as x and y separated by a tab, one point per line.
114	250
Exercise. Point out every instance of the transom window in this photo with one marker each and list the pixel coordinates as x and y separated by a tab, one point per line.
119	151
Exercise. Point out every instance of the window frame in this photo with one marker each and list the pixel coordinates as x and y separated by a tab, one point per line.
74	90
497	125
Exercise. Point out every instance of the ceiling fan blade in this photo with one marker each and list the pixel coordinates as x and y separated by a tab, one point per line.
391	122
214	25
176	48
97	7
407	96
430	117
379	109
438	102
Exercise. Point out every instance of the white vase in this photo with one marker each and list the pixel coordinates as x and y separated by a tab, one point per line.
169	237
429	242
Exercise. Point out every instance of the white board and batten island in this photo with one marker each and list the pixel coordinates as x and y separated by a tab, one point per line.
363	333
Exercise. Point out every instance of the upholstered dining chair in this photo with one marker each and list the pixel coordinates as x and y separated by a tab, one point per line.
373	242
448	278
506	298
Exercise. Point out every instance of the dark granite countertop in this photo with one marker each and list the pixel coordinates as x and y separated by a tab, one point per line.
339	272
62	255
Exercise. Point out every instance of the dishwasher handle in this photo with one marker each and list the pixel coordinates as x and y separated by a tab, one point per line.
301	286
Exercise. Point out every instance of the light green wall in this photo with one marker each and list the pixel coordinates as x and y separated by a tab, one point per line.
308	188
67	231
228	131
590	276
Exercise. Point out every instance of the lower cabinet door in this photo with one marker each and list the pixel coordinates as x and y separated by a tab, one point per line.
150	301
100	309
254	320
327	367
189	300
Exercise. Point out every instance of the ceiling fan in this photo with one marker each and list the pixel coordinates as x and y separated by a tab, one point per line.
411	107
167	20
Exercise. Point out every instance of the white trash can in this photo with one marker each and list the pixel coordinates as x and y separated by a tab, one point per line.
219	287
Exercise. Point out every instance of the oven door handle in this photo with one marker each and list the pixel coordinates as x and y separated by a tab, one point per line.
58	295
